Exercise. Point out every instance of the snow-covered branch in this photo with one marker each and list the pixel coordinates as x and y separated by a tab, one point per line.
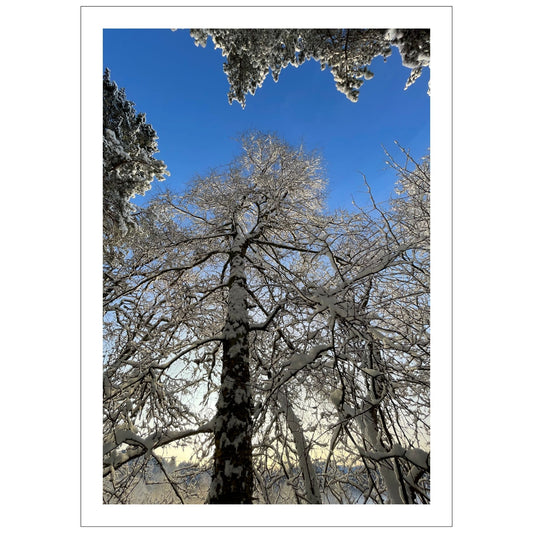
139	446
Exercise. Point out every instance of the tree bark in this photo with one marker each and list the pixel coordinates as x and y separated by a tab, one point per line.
371	433
232	480
311	483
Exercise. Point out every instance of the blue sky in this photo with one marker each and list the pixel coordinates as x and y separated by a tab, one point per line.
183	91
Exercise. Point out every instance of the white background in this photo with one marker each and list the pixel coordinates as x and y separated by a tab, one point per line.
41	269
439	20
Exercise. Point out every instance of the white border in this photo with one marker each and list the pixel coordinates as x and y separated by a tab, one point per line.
94	20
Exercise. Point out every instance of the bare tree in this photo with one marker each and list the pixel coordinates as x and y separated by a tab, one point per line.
212	240
292	343
359	334
378	314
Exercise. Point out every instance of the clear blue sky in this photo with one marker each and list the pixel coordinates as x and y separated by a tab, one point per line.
183	91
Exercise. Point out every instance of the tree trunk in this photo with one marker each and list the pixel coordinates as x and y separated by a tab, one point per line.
371	433
311	483
232	480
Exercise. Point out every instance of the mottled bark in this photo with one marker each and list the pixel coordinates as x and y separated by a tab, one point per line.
233	475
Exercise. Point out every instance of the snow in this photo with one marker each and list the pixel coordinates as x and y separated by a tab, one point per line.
300	360
372	372
336	397
230	470
241	396
418	457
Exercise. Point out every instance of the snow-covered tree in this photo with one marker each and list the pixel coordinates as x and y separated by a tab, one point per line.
377	306
129	166
211	244
356	335
252	53
247	323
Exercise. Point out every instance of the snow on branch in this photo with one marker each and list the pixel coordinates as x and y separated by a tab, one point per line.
139	446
